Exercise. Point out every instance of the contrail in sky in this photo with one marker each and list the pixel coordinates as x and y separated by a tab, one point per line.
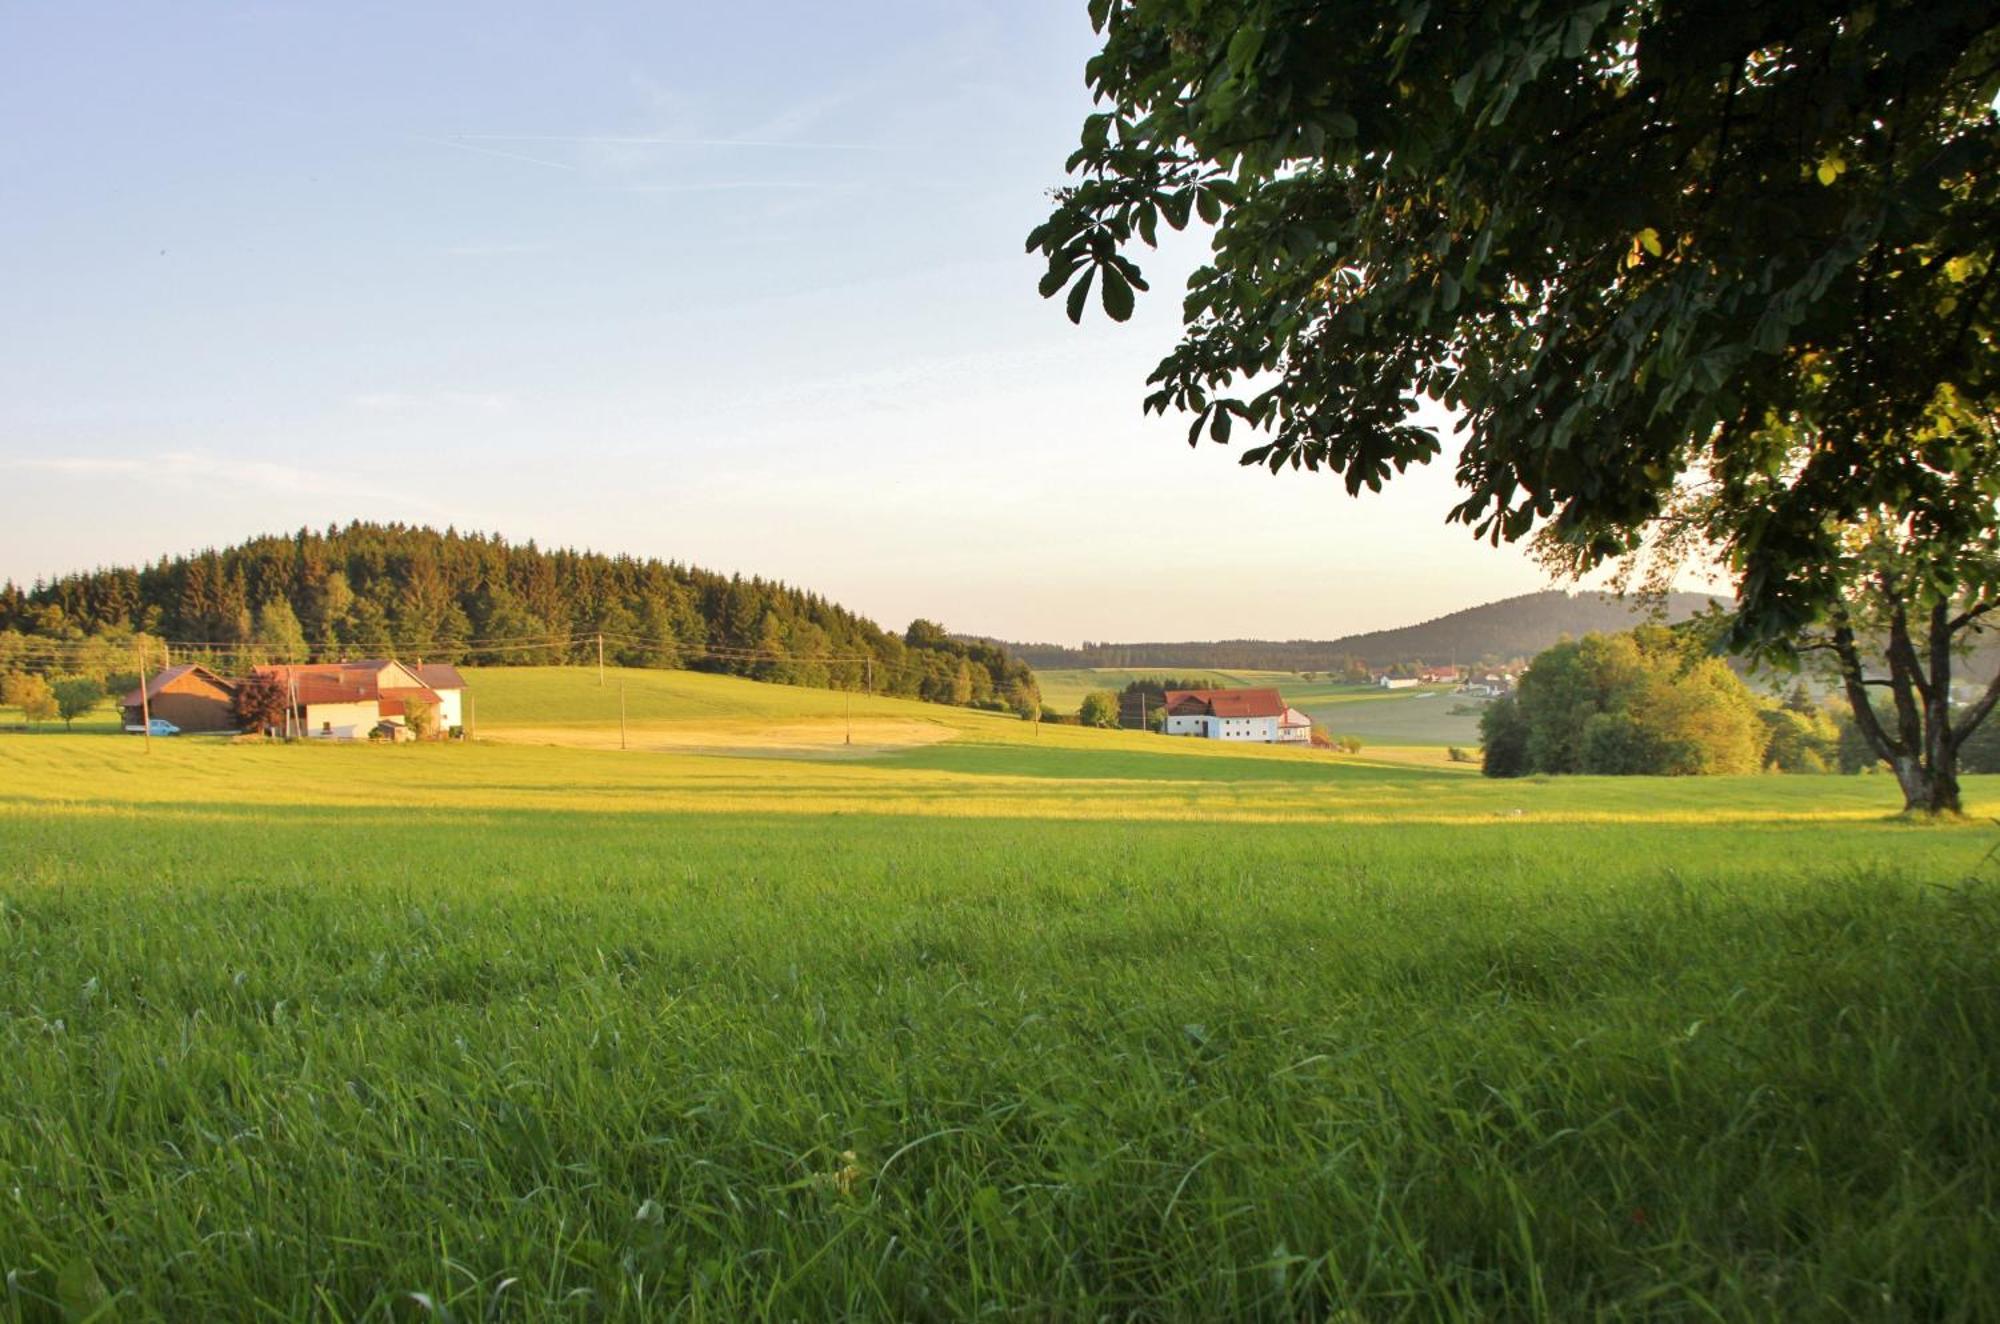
486	151
644	141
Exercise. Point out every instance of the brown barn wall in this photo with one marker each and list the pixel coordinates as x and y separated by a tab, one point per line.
194	712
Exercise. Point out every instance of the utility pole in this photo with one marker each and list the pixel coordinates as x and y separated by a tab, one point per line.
1142	710
471	716
600	659
145	703
621	712
870	664
849	694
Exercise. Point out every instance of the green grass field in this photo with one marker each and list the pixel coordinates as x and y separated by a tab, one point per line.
1375	716
1056	1025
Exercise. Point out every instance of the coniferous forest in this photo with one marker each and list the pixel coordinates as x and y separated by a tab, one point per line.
375	590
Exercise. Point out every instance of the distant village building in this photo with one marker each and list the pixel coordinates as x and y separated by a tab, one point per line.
1256	715
1489	684
190	696
1389	682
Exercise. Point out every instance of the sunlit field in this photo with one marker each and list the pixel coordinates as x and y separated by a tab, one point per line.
1026	1022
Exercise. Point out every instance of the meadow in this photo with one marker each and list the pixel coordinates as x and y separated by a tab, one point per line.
1002	1021
1397	718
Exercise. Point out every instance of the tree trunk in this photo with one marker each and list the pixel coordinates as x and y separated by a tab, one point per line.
1927	788
1923	748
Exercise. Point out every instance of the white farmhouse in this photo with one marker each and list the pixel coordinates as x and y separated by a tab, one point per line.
348	700
1261	716
443	679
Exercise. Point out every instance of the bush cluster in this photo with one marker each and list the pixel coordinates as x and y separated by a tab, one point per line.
1648	702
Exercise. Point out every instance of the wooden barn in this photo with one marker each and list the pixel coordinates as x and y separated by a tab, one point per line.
192	697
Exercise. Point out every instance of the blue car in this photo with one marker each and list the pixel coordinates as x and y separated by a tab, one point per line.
159	726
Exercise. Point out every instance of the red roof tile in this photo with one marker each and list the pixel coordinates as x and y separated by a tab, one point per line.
1231	703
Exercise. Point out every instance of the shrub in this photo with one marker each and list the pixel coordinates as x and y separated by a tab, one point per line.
1503	737
260	704
1098	709
421	719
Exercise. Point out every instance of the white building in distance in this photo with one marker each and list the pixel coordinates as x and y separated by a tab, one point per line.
1260	716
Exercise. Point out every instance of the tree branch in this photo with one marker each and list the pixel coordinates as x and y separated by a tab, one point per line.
1976	714
1857	695
1905	669
1971	614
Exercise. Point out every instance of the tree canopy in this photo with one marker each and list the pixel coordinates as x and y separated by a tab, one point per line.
30	693
1640	251
75	696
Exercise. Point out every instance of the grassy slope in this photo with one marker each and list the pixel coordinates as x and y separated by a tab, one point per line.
561	1032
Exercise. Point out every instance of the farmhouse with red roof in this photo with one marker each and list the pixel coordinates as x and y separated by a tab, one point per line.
349	700
1257	715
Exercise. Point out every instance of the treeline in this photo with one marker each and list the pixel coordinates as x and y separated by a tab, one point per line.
1492	634
1211	655
393	590
1651	701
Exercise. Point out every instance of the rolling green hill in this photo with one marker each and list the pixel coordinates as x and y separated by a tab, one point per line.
1512	628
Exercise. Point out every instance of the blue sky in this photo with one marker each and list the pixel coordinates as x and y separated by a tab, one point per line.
741	285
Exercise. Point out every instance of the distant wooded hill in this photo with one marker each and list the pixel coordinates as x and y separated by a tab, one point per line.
1496	632
391	590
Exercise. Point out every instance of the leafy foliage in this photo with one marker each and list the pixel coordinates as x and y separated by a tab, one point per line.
1627	245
